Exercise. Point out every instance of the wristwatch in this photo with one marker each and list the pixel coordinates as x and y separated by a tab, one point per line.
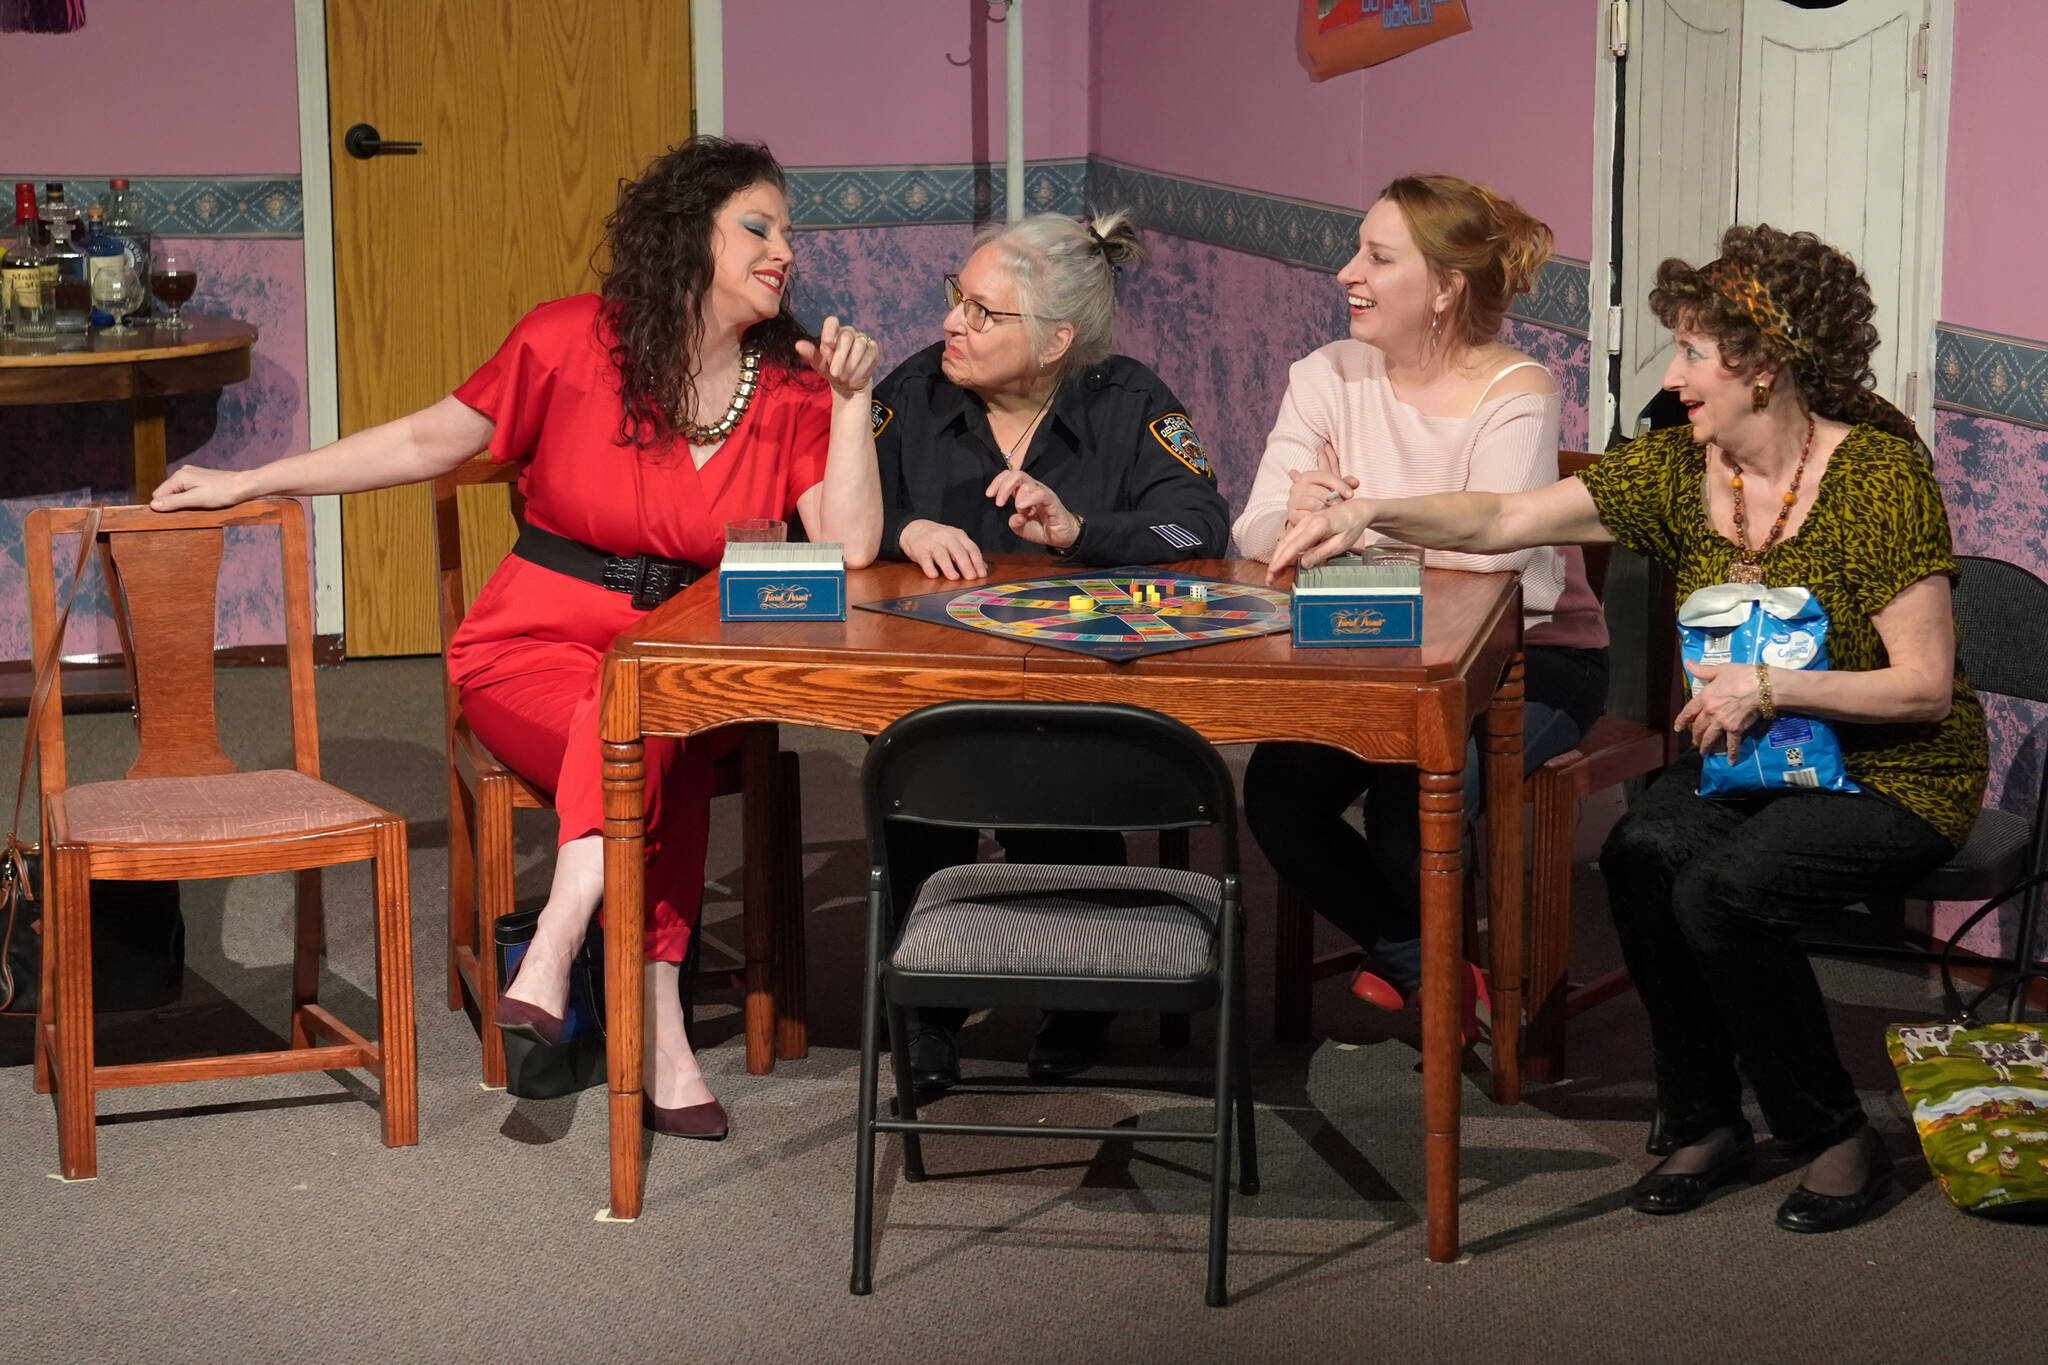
1080	529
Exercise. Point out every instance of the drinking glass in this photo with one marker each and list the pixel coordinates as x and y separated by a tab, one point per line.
173	276
118	293
756	529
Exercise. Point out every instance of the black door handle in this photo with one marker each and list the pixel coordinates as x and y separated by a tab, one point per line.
362	143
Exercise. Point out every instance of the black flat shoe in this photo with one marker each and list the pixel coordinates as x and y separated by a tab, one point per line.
1660	1142
1068	1043
1806	1211
934	1058
1662	1194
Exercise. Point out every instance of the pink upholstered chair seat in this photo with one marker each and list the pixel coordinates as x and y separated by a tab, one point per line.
182	810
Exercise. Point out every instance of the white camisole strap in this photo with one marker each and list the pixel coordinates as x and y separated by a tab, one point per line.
1518	365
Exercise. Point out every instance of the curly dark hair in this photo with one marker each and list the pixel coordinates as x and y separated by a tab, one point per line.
655	266
1824	338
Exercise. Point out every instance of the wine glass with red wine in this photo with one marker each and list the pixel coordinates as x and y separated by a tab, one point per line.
172	277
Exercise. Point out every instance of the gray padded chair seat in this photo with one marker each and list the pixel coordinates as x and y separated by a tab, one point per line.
1994	858
1027	919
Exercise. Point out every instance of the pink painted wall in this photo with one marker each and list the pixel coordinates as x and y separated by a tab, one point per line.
831	84
1997	171
195	87
1212	89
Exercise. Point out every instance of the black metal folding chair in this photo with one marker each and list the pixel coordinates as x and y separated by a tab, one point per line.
2002	625
1055	937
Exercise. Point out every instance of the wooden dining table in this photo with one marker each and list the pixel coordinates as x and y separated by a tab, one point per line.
682	671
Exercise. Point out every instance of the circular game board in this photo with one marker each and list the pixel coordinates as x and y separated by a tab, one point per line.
1112	612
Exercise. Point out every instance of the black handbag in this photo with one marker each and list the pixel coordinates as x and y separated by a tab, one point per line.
138	931
537	1071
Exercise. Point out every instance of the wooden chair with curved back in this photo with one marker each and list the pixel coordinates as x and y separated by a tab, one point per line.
185	811
1612	751
483	793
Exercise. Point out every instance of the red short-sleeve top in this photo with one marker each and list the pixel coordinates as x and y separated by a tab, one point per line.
553	395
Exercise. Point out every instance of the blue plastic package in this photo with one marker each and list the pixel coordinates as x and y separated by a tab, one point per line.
1744	623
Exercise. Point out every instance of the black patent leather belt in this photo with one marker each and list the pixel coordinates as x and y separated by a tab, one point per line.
649	579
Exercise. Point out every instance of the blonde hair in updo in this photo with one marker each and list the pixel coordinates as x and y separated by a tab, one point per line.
1488	238
1065	274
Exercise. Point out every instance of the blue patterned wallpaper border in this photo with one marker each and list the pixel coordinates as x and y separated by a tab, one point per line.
1991	375
199	206
894	196
1301	232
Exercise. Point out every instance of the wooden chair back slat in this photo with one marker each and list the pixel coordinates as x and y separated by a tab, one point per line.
455	552
166	585
164	578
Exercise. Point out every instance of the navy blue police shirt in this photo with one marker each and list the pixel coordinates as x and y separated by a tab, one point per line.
1117	447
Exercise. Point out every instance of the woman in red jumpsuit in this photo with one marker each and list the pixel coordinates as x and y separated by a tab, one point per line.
682	397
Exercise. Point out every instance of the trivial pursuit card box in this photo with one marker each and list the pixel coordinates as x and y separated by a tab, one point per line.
782	582
1360	600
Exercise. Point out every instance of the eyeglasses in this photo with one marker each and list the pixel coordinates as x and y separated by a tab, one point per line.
979	316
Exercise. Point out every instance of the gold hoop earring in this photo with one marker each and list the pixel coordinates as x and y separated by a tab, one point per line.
1760	396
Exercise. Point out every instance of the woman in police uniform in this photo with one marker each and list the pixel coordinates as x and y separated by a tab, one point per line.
1019	432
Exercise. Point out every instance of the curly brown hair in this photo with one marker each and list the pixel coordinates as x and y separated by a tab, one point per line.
656	265
1820	308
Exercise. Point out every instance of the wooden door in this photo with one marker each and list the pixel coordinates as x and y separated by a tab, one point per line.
1678	185
528	113
1831	143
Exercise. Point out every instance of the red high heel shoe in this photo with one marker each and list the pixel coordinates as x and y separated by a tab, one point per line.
1380	993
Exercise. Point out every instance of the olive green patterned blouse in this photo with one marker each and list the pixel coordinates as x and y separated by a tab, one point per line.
1877	526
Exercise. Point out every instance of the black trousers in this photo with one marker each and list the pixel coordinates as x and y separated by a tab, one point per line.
1295	796
1707	895
917	851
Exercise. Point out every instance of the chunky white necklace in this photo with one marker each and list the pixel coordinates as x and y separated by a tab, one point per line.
742	395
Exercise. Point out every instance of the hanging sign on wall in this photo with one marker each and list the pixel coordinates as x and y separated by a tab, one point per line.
1344	35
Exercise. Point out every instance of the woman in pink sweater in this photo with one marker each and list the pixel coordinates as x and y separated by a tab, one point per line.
1421	398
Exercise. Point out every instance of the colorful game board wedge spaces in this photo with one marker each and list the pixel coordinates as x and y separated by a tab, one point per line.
1123	613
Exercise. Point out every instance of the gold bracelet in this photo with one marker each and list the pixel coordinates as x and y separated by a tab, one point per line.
1763	692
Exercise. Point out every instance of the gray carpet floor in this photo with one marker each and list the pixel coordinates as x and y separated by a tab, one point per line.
264	1220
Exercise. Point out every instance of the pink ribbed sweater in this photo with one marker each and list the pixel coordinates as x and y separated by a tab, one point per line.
1339	398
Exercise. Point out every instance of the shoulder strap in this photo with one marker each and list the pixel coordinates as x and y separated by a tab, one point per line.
1518	365
14	880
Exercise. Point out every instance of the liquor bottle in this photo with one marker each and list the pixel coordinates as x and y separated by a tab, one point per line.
103	256
31	310
55	209
64	271
128	224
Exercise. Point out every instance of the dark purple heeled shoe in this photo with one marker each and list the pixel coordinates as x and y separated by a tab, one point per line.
528	1021
706	1122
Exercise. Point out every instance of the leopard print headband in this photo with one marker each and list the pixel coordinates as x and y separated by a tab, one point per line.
1742	287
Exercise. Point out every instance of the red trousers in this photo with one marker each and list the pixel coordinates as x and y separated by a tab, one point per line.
526	662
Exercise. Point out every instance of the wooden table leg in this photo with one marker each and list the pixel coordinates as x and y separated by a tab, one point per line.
1505	909
148	448
625	828
757	896
1441	807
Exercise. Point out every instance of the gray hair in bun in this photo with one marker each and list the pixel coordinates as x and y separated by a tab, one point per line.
1065	272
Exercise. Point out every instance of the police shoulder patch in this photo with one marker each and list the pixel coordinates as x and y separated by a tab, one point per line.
1177	434
881	413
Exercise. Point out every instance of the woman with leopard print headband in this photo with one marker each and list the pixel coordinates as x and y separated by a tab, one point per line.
1789	472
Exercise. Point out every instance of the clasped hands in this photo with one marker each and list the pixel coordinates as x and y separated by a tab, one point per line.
1036	515
1723	708
1324	519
